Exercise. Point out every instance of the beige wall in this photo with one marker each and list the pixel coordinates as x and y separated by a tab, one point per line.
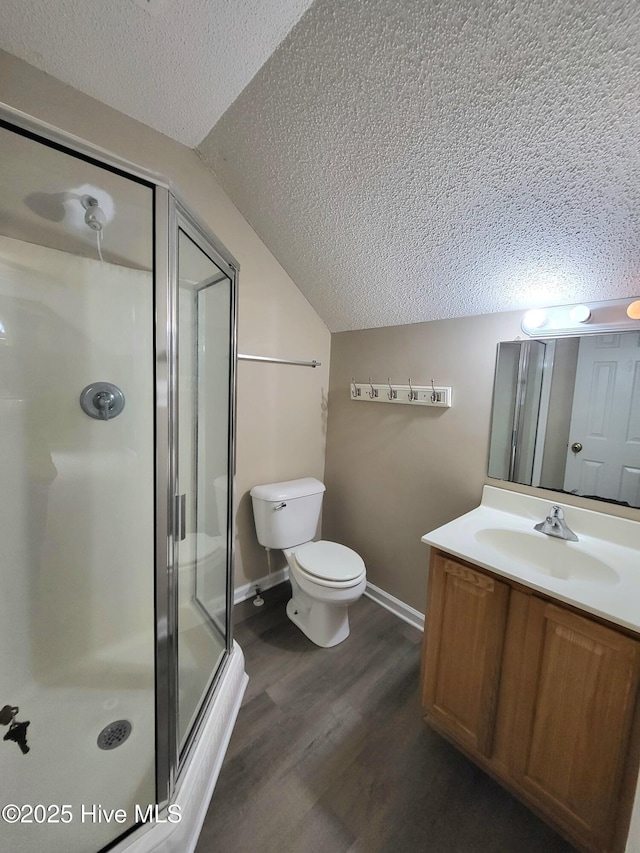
394	473
281	410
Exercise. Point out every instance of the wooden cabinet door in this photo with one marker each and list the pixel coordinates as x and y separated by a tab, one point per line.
464	633
575	708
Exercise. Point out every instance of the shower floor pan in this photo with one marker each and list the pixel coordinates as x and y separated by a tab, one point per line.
65	765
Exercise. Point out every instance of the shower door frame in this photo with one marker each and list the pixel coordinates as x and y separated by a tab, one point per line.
182	219
169	212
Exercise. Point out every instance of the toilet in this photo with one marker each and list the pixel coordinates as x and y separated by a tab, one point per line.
325	577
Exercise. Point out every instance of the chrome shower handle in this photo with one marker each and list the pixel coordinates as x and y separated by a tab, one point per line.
102	400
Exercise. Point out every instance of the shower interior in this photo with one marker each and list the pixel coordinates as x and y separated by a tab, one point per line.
116	528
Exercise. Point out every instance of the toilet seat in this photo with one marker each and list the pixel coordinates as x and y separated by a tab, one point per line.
330	564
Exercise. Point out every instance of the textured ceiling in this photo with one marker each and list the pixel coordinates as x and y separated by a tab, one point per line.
409	160
174	65
404	159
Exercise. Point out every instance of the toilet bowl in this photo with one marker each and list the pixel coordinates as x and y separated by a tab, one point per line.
326	577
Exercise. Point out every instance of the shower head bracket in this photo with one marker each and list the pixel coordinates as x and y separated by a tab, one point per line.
88	201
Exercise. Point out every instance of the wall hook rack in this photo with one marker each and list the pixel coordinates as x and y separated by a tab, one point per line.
438	396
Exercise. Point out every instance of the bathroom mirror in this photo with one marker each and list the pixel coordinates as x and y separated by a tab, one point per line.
566	416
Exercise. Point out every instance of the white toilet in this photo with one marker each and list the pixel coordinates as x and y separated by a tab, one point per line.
325	577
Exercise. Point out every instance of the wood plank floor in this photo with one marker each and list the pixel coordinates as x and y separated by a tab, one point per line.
330	754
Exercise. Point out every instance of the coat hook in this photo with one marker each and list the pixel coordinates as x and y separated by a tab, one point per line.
391	394
413	395
355	392
434	394
373	393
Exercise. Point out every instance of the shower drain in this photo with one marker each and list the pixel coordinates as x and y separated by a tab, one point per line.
114	734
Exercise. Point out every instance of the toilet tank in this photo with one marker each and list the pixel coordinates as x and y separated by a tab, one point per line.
287	514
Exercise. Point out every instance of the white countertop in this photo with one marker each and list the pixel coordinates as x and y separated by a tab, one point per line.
600	573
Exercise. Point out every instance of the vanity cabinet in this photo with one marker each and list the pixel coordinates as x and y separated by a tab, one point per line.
541	696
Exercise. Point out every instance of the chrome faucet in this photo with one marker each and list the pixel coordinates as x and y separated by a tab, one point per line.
555	525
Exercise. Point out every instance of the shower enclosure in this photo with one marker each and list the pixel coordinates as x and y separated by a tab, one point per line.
119	680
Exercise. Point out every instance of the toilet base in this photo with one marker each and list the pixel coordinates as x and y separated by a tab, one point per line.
325	625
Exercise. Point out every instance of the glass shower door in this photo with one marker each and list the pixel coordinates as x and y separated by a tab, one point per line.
77	499
204	437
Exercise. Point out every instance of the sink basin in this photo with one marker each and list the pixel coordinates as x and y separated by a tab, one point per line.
548	555
599	574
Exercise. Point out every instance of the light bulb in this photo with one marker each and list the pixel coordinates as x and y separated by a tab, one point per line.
535	319
633	310
579	314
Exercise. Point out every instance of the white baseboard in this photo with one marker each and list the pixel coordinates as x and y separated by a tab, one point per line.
248	590
395	606
384	599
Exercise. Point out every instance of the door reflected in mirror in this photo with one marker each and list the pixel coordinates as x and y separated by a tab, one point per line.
566	416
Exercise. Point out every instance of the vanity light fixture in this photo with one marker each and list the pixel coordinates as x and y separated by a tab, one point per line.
594	318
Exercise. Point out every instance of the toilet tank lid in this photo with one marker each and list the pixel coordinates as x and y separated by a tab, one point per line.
288	489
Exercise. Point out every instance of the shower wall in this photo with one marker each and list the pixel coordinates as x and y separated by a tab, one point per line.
77	532
71	512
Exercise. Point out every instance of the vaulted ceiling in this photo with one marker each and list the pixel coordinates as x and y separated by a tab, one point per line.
174	65
404	160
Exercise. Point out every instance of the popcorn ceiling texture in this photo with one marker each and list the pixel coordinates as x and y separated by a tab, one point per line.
408	160
176	71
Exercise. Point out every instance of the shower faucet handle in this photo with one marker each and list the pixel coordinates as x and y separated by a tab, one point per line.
104	401
7	714
18	733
